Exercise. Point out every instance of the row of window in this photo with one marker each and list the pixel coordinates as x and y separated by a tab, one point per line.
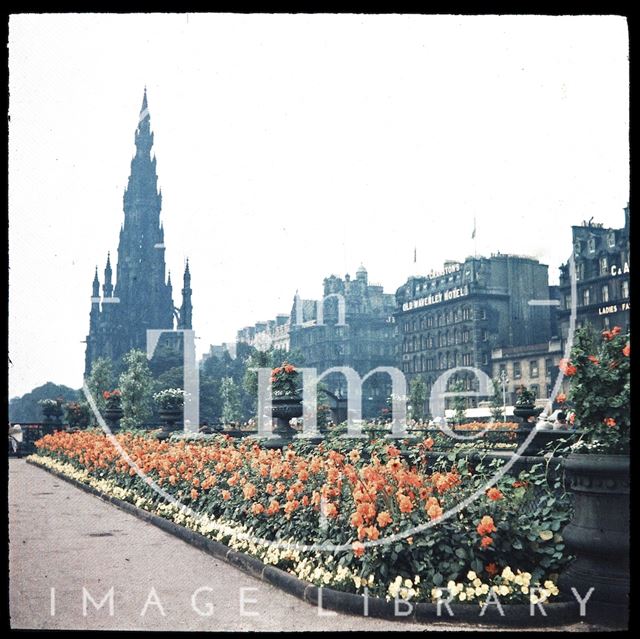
448	338
591	244
590	269
533	368
442	319
606	294
444	361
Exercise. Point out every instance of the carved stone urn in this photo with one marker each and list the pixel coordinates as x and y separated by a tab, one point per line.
598	536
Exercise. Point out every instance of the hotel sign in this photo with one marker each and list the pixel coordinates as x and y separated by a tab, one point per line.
613	308
619	270
447	270
436	298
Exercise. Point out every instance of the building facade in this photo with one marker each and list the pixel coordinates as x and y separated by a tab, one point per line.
602	268
141	297
534	366
352	326
269	334
457	316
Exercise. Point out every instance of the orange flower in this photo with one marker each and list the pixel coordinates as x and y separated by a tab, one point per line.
561	398
358	548
486	526
357	520
249	491
626	351
434	511
354	456
392	451
593	359
257	508
428	443
406	506
289	368
616	330
372	532
226	495
486	542
494	494
330	510
520	484
567	367
491	569
194	493
274	507
384	519
609	421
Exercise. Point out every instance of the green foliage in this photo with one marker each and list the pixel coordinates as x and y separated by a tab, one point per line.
230	401
495	403
27	409
136	385
101	379
600	389
458	402
417	397
78	414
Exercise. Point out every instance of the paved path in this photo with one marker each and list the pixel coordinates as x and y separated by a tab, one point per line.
66	539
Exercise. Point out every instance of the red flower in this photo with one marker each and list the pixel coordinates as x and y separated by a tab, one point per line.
486	542
593	359
494	494
106	394
626	351
358	548
486	526
572	418
567	367
561	398
491	569
616	330
609	421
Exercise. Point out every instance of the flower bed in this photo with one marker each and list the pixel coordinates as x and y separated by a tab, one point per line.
283	506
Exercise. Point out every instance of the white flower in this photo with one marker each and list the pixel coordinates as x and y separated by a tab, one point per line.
471	575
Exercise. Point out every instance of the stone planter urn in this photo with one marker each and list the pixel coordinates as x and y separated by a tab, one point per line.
171	418
113	415
598	536
283	409
525	413
52	420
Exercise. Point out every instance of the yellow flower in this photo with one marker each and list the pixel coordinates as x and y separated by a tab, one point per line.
471	575
462	596
436	593
525	589
503	590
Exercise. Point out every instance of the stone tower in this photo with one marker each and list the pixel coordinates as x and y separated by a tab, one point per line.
141	298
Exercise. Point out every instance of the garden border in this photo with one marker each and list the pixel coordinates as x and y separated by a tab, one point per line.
518	615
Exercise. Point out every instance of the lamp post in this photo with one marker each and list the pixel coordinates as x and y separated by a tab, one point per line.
504	380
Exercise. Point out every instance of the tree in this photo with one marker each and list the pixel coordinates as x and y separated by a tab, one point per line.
230	401
417	397
458	402
100	380
495	404
26	408
136	386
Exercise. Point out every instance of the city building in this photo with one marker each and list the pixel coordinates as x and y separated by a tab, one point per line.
352	326
457	316
269	334
141	298
534	366
602	265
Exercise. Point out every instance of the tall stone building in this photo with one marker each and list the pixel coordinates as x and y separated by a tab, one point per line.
602	266
141	297
352	326
455	317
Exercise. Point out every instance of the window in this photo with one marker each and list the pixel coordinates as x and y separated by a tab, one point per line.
548	365
533	368
605	293
485	358
503	369
606	323
517	372
611	240
603	265
535	389
580	271
585	297
576	248
485	335
591	245
465	336
625	288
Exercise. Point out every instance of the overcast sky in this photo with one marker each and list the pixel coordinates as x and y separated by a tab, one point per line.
293	147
